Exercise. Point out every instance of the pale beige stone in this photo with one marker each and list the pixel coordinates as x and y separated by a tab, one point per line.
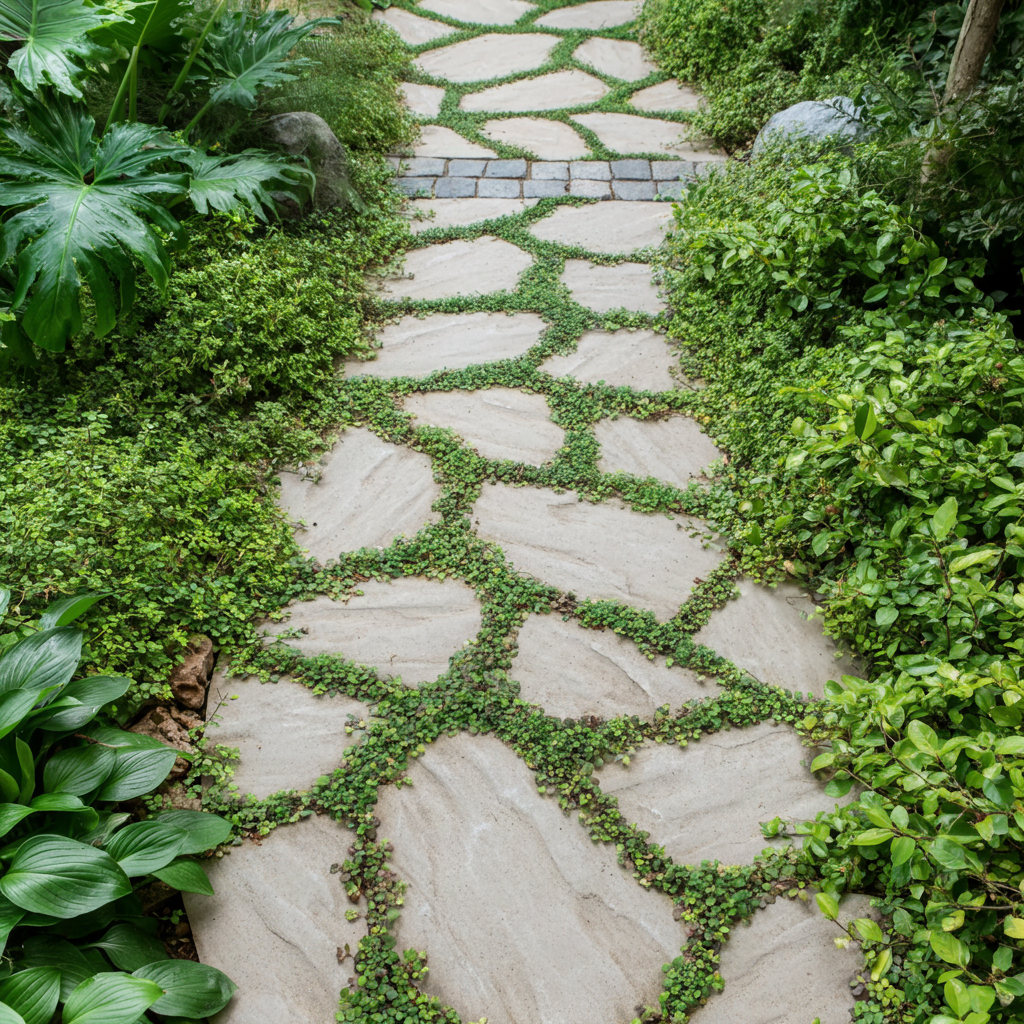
422	100
615	57
499	423
437	141
412	29
670	95
706	801
546	140
630	133
594	15
286	735
601	551
547	92
448	213
602	289
407	628
571	671
486	264
776	636
479	12
612	226
277	922
417	345
634	359
369	492
493	55
523	918
673	450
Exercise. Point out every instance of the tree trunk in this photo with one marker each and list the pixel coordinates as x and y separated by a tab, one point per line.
976	38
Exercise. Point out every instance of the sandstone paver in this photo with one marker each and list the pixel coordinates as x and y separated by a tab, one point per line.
673	449
546	92
479	12
670	95
615	57
423	100
547	140
631	133
437	141
594	15
635	359
460	212
600	288
612	226
493	55
413	30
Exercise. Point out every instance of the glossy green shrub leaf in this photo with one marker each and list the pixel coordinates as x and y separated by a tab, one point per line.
145	846
828	905
186	875
110	999
944	519
129	947
192	990
33	993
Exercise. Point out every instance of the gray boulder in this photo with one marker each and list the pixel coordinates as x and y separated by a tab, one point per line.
817	120
302	133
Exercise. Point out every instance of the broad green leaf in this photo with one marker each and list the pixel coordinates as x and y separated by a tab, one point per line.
827	904
882	964
33	993
902	849
949	948
49	951
11	814
999	790
864	421
59	803
78	770
110	999
136	772
1009	745
868	929
192	990
944	519
957	999
8	1015
97	690
822	760
871	806
14	706
67	609
937	266
924	738
205	831
58	876
130	948
185	875
144	846
42	660
872	837
5	600
876	293
948	853
1014	927
151	23
886	615
974	558
10	918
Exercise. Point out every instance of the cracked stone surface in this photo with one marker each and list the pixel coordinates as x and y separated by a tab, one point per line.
672	449
670	95
571	671
615	57
427	622
630	133
479	12
525	945
776	636
360	476
412	29
417	346
605	552
276	922
286	735
486	264
547	140
547	92
594	15
611	226
635	359
424	100
499	423
436	140
706	801
623	286
493	55
460	212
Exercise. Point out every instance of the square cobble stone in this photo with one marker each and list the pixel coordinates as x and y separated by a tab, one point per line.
505	169
540	189
636	170
672	189
590	189
592	170
671	170
414	186
422	167
466	168
455	188
498	188
634	189
552	170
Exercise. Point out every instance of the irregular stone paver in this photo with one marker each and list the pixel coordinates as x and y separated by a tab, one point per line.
416	346
493	55
436	140
449	213
706	801
547	92
777	637
412	29
571	671
605	552
286	735
409	627
548	140
479	12
369	493
672	449
486	264
276	923
424	100
626	286
596	14
523	918
500	423
615	57
634	359
612	226
630	133
784	966
668	95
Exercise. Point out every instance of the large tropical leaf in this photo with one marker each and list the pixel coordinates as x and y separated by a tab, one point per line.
152	24
87	214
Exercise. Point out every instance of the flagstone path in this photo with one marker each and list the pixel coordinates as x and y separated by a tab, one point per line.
524	919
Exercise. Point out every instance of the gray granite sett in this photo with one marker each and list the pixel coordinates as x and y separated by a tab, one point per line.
590	189
498	188
672	189
467	168
594	170
637	170
414	186
455	188
422	167
550	169
632	189
505	169
540	189
671	170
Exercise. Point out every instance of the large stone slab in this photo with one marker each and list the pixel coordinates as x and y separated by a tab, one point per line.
571	671
493	55
672	450
369	492
632	359
706	801
594	15
670	95
546	140
546	92
286	735
602	289
479	12
423	100
409	627
449	213
605	552
611	226
499	423
523	918
276	923
486	264
615	58
438	141
412	29
776	636
416	346
630	133
784	966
